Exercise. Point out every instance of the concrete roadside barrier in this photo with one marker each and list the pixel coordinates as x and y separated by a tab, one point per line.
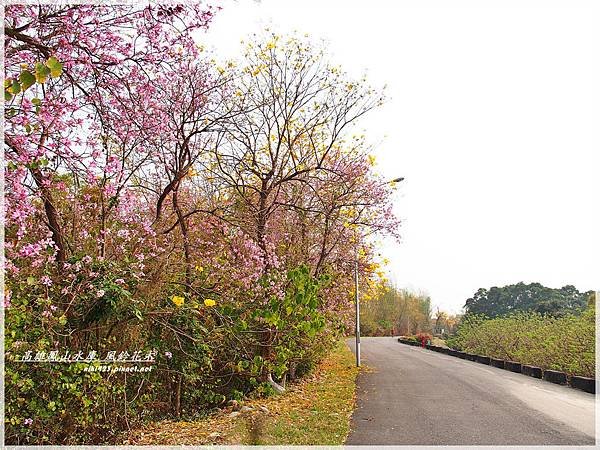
554	376
457	353
483	359
513	366
532	371
497	363
584	383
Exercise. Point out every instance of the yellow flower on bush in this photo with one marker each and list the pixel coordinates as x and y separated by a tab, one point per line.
177	300
199	268
209	302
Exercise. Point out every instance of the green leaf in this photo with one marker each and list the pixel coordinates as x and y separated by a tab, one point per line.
62	320
30	281
7	95
55	67
36	101
41	73
15	87
27	79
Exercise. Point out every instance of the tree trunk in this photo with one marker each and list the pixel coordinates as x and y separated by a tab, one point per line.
185	237
261	228
292	371
178	397
52	216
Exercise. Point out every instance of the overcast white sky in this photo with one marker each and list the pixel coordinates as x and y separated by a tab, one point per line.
492	118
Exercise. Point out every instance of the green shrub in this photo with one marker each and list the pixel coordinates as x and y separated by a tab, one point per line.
566	343
205	355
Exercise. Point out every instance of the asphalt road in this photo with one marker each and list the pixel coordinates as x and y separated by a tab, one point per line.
411	396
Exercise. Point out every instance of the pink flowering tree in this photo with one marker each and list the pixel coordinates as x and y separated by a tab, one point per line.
82	113
286	159
80	102
155	199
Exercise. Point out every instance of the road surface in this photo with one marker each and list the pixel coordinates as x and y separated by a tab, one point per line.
411	396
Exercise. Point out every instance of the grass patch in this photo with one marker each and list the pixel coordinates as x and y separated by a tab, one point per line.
314	411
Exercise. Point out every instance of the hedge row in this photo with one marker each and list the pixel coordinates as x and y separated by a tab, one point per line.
566	343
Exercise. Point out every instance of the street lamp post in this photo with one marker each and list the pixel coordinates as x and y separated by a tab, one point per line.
356	301
356	298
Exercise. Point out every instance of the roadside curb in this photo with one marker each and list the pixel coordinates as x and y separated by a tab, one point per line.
483	359
532	371
497	363
513	366
584	383
552	376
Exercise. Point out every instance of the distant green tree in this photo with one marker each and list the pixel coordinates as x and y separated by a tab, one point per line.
500	301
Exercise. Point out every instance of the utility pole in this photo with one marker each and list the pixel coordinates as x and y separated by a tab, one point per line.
357	322
356	299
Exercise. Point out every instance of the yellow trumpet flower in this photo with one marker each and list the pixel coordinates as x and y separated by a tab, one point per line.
177	300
